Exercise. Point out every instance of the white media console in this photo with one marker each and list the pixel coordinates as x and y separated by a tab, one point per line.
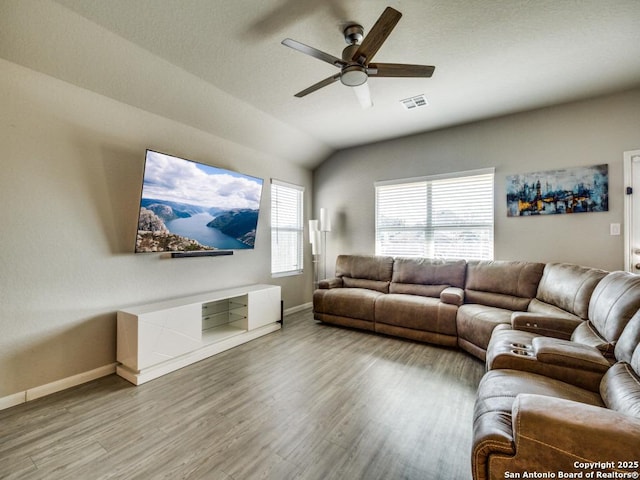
161	337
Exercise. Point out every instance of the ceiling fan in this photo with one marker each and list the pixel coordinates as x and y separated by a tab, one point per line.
355	67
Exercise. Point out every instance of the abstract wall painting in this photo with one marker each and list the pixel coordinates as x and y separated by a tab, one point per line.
567	190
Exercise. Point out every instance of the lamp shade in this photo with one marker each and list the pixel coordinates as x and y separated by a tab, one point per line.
315	242
325	221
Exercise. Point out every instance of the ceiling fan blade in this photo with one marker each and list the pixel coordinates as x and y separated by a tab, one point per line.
318	86
399	70
314	52
376	36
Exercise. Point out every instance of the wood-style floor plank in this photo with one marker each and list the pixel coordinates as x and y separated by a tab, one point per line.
308	402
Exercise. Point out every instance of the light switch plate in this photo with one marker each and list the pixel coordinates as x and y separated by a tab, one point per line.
614	229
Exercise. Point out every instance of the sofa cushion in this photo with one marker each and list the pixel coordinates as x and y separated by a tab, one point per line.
538	307
502	284
498	389
369	267
416	312
415	289
346	302
568	287
620	388
629	340
426	276
365	283
614	301
365	271
475	323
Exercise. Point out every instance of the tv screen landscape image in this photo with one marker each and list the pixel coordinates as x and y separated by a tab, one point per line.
188	206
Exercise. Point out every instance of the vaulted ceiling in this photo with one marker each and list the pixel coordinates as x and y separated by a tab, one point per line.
218	65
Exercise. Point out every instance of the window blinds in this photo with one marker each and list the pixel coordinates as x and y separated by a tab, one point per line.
286	228
442	216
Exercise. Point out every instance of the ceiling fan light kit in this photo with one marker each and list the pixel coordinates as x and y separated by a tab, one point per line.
355	67
353	75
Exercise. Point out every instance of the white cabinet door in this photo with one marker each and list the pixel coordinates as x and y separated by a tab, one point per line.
264	307
166	334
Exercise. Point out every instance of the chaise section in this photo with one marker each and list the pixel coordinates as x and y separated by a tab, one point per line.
493	290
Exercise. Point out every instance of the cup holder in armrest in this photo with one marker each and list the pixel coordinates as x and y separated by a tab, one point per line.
521	346
523	352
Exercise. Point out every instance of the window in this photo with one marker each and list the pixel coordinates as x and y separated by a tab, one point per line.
447	216
286	228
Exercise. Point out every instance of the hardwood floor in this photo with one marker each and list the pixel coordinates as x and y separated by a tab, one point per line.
311	401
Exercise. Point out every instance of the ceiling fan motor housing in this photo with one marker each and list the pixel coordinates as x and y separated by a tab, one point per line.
352	74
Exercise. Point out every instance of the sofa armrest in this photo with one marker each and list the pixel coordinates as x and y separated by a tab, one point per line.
544	325
566	353
330	283
555	434
452	296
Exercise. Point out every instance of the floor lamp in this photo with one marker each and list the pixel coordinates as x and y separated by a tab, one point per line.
315	241
318	238
325	226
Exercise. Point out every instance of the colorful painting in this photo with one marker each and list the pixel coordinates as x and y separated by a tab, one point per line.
567	190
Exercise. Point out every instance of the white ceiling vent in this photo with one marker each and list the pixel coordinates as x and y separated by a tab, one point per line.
414	102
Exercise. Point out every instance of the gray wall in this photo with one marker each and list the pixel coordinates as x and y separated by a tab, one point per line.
72	164
578	134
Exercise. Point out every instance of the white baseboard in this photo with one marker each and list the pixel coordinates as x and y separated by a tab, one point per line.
12	400
298	308
57	386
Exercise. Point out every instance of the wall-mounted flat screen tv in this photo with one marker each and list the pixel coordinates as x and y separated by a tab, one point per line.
188	206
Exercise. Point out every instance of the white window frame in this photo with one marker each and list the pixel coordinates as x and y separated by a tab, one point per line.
416	233
287	232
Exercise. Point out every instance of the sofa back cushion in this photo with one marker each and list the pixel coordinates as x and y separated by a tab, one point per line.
629	340
614	301
620	386
502	284
365	271
568	287
426	276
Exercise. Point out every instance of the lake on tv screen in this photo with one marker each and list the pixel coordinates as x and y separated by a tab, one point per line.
195	227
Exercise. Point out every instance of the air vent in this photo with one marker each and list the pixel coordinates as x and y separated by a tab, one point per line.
414	102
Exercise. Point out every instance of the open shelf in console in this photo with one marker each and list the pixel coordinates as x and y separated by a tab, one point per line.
224	318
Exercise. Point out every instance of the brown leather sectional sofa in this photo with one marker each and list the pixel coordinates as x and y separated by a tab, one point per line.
560	342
